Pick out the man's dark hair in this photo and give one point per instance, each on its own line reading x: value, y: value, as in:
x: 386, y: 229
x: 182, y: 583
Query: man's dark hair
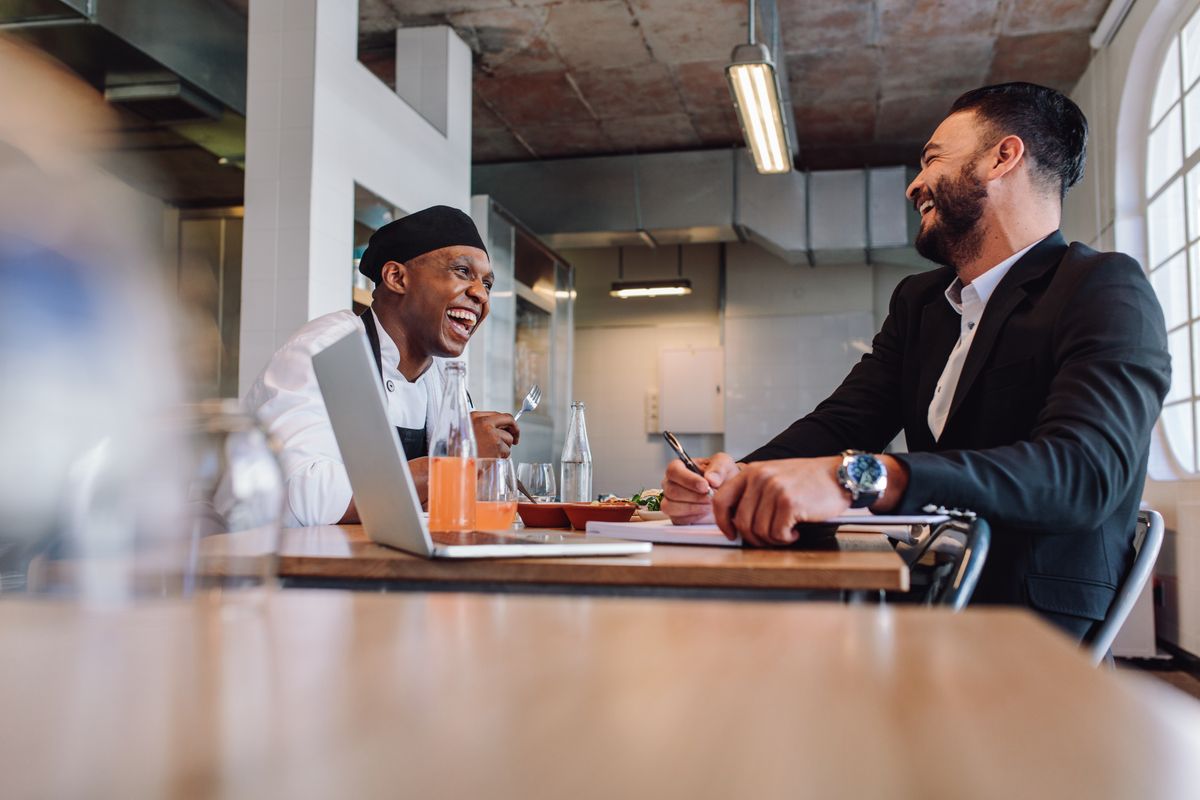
x: 1052, y: 127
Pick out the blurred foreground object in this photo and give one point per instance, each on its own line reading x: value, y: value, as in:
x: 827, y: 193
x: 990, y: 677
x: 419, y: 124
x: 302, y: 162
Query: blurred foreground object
x: 236, y: 486
x: 91, y: 479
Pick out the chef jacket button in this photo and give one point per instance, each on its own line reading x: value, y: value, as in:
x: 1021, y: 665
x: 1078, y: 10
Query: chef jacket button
x: 391, y: 387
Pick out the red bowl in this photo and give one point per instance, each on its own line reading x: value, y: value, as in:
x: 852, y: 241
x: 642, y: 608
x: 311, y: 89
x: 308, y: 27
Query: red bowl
x: 543, y: 515
x: 581, y: 514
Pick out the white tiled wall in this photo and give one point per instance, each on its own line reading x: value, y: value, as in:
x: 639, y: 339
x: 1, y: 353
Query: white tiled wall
x: 759, y: 284
x: 790, y: 334
x: 616, y: 355
x: 614, y: 370
x: 778, y: 368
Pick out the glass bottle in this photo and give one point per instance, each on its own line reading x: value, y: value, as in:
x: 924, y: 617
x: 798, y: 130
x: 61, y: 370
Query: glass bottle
x: 452, y: 457
x: 576, y: 484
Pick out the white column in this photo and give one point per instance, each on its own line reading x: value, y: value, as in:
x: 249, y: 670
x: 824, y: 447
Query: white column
x: 318, y: 122
x: 422, y: 59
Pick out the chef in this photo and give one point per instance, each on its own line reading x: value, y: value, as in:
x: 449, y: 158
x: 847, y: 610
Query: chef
x: 432, y: 282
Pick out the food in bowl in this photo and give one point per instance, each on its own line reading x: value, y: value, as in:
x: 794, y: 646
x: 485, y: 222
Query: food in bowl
x: 611, y: 499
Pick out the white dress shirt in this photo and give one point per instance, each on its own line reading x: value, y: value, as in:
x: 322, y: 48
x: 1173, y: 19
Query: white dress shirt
x: 288, y: 402
x: 968, y: 302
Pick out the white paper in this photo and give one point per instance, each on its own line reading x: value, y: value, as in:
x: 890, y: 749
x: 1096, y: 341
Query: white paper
x: 664, y: 532
x: 878, y: 520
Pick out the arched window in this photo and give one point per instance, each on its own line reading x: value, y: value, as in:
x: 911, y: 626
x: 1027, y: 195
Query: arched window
x: 1172, y: 194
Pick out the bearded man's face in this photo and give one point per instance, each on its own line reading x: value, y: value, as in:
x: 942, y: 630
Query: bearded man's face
x: 951, y: 230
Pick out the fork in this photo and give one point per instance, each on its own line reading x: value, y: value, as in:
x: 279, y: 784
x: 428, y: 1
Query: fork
x: 530, y: 402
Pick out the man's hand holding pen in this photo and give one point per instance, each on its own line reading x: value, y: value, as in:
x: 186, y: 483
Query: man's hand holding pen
x: 688, y: 497
x: 762, y: 502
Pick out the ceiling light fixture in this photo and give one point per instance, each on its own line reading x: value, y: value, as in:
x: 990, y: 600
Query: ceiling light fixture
x: 756, y: 97
x: 670, y: 287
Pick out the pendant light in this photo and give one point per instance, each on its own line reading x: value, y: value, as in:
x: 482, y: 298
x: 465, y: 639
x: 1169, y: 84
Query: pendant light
x: 669, y: 287
x: 757, y: 99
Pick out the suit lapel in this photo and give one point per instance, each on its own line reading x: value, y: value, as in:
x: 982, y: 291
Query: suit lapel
x: 1004, y: 300
x: 939, y: 332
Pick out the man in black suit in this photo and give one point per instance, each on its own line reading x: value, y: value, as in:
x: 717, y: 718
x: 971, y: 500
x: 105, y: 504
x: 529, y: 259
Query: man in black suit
x: 1026, y: 373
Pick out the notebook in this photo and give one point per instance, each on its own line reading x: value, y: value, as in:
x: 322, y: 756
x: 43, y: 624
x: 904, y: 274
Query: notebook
x: 900, y: 528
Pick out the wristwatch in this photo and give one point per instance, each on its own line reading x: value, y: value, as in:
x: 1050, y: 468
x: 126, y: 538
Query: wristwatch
x: 862, y: 475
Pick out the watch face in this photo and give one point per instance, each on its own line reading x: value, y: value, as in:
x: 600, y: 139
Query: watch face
x: 865, y: 471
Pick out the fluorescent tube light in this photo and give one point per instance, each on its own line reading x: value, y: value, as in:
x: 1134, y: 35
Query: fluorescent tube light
x: 755, y: 89
x: 673, y: 287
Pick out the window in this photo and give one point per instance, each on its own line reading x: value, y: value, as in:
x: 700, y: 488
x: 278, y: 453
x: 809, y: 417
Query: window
x: 1173, y: 232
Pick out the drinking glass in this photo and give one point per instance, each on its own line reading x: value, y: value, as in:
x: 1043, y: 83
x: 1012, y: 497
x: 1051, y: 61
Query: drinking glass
x: 235, y: 499
x: 495, y: 494
x: 539, y: 480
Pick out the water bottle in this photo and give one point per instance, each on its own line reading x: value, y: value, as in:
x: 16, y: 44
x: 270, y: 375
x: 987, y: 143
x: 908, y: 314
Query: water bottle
x: 576, y: 484
x: 452, y: 457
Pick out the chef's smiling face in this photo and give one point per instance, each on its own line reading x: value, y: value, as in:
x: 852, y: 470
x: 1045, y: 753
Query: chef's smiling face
x: 446, y: 298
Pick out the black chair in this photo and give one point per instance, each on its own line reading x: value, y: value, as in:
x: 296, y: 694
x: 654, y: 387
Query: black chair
x: 951, y: 581
x: 1147, y: 542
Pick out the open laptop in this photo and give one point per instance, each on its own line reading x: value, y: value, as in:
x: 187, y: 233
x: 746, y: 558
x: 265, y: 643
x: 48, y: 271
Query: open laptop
x: 384, y: 492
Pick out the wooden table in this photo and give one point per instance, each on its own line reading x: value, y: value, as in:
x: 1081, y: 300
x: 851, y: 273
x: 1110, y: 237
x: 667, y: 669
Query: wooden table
x: 351, y: 694
x: 343, y: 556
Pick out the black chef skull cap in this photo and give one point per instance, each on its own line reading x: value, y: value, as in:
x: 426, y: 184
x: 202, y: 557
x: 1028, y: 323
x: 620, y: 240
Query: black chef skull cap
x: 417, y: 234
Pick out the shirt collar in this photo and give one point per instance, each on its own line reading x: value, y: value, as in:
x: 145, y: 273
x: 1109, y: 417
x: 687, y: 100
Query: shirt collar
x: 389, y: 354
x: 986, y: 283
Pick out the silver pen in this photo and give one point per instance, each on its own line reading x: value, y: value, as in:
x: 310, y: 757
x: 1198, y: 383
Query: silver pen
x: 684, y: 457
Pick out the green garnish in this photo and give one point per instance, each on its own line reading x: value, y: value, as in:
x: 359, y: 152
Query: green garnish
x: 650, y: 498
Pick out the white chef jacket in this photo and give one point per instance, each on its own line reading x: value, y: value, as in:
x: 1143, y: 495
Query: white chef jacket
x: 968, y: 302
x: 288, y: 403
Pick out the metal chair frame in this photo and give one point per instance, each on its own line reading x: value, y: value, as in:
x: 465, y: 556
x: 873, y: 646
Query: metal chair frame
x: 1147, y: 543
x: 966, y: 565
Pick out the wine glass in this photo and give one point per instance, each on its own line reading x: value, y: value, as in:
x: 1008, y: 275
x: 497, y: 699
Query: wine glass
x: 538, y: 479
x: 236, y: 487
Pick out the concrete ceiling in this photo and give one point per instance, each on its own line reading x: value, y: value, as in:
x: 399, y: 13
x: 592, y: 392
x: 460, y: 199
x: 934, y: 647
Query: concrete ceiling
x: 870, y: 79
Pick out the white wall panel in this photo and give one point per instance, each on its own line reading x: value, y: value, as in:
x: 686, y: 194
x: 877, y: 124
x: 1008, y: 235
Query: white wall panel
x: 614, y: 370
x: 778, y: 368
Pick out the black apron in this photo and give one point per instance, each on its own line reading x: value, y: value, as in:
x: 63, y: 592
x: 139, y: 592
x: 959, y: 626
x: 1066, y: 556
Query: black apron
x: 414, y: 440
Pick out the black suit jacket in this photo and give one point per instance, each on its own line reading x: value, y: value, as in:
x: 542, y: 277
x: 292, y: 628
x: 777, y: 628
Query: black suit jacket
x: 1050, y: 424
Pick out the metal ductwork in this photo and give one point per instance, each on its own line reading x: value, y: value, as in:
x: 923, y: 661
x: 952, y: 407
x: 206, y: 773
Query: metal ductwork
x: 180, y: 64
x: 842, y: 216
x: 201, y: 42
x: 160, y: 97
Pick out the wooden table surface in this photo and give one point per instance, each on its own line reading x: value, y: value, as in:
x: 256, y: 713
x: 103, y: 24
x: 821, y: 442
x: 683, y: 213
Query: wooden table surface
x: 860, y: 561
x: 349, y: 694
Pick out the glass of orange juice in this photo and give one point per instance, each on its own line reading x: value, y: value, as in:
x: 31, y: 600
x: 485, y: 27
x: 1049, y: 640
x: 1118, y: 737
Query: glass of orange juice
x: 495, y: 494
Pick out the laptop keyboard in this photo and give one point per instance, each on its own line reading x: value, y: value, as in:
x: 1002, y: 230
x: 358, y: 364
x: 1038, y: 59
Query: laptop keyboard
x: 453, y: 538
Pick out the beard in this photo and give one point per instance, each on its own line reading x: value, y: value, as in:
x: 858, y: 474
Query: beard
x: 955, y: 237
